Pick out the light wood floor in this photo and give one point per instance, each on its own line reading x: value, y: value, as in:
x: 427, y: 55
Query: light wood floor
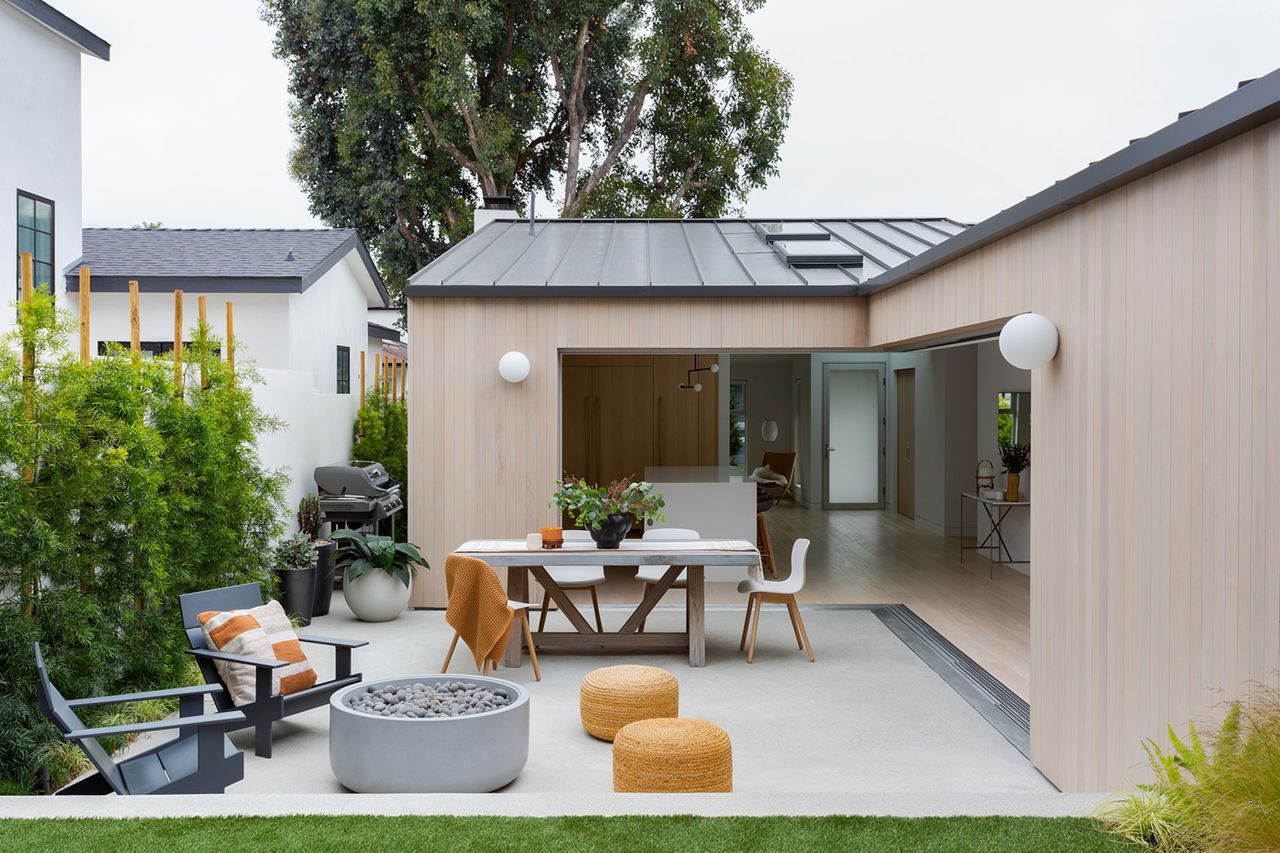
x: 879, y: 557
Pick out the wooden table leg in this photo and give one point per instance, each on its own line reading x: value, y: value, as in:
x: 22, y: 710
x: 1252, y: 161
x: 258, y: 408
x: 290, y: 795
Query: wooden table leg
x: 517, y: 589
x: 696, y: 613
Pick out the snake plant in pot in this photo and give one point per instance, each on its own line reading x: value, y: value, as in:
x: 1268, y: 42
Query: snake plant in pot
x: 377, y: 573
x: 295, y: 571
x: 311, y: 524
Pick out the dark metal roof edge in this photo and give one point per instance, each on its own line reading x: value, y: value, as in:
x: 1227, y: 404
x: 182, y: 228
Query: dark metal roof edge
x: 52, y: 19
x: 592, y: 291
x: 383, y: 333
x: 1250, y: 106
x: 340, y: 252
x: 195, y: 284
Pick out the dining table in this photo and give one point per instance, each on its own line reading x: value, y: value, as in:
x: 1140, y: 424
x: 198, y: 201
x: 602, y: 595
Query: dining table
x: 689, y: 556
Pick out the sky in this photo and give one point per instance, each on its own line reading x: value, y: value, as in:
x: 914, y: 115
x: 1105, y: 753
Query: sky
x: 922, y: 108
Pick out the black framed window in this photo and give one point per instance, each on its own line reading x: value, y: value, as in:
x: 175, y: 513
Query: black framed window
x: 344, y: 370
x: 150, y: 349
x: 35, y: 235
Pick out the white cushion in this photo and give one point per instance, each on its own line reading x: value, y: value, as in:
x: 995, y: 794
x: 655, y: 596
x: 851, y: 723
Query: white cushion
x: 573, y: 576
x: 765, y: 474
x: 653, y: 574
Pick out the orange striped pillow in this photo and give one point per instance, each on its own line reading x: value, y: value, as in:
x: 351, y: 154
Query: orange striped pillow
x: 259, y: 632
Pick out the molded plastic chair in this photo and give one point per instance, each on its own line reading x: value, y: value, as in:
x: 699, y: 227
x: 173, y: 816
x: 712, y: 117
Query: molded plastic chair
x: 266, y: 708
x: 651, y: 575
x: 201, y: 760
x: 781, y: 592
x: 575, y: 577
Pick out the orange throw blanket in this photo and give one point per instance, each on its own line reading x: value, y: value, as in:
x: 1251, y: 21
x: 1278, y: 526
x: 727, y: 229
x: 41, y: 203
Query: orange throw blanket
x: 478, y: 608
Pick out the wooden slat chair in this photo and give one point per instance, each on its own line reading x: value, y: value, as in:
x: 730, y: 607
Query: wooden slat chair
x: 266, y: 707
x: 201, y: 760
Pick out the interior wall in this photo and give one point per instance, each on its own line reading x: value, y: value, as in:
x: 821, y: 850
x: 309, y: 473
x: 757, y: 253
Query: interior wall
x: 768, y: 398
x: 996, y: 375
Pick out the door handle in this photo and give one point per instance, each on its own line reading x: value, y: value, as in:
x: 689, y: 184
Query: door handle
x: 827, y: 450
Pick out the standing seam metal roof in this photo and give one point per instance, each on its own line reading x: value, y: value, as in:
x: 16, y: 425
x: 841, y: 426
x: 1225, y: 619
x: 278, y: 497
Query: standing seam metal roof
x: 669, y: 257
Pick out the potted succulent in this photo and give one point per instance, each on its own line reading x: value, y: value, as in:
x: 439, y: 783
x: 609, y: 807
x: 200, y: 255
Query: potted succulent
x: 310, y: 523
x: 377, y: 573
x: 295, y: 571
x: 1015, y: 458
x: 608, y: 513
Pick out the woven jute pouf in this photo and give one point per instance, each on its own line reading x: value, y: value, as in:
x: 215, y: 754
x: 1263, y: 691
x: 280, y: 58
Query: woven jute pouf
x: 613, y: 696
x: 679, y: 755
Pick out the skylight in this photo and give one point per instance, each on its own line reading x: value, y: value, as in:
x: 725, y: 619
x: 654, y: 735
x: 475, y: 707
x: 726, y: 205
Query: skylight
x: 799, y: 253
x: 775, y: 231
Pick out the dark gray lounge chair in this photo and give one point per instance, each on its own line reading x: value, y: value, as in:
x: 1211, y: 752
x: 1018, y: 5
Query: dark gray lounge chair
x: 201, y: 760
x: 266, y: 707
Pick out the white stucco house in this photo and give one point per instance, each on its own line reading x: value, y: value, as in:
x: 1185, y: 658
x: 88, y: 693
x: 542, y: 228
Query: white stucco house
x: 40, y: 51
x: 302, y: 301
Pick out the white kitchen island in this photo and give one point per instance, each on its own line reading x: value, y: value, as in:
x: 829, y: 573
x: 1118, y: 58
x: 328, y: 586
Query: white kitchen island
x: 719, y: 503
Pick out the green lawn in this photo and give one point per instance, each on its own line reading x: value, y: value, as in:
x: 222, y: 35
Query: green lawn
x: 346, y: 834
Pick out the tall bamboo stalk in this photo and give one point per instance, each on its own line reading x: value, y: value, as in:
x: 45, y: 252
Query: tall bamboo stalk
x: 84, y: 315
x: 135, y: 323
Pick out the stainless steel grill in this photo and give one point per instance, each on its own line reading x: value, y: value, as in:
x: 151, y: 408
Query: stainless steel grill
x: 359, y: 492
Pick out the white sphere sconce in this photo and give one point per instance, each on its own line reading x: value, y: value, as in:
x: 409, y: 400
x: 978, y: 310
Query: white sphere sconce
x: 514, y: 366
x: 769, y: 430
x: 1029, y: 341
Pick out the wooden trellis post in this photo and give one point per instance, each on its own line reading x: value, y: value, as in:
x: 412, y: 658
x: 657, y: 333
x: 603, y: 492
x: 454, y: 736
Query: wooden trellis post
x: 395, y: 366
x: 135, y: 323
x: 377, y: 374
x: 177, y: 340
x: 200, y: 313
x: 404, y: 370
x: 84, y: 315
x: 231, y: 339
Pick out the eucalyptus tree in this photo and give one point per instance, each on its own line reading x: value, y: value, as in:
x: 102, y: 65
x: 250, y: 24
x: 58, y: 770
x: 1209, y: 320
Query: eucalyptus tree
x: 406, y: 110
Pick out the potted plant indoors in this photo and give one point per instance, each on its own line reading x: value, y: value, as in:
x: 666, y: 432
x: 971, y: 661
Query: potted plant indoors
x: 310, y: 523
x: 1015, y: 458
x: 608, y: 513
x: 295, y: 571
x: 377, y: 573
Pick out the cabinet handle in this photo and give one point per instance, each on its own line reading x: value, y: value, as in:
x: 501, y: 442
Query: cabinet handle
x: 586, y: 437
x: 657, y: 432
x: 599, y: 441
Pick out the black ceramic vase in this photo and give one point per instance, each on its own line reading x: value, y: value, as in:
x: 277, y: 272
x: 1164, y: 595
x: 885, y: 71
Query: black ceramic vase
x: 297, y: 592
x: 612, y: 531
x: 324, y: 578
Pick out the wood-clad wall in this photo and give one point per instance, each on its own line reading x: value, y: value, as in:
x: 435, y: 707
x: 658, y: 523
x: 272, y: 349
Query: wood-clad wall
x: 1155, y: 584
x: 484, y: 454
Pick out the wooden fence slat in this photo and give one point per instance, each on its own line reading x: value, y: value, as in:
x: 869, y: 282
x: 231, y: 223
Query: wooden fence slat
x: 135, y: 322
x: 84, y: 315
x: 231, y: 338
x: 177, y: 340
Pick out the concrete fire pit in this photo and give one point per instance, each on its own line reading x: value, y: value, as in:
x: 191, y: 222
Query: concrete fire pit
x: 464, y: 748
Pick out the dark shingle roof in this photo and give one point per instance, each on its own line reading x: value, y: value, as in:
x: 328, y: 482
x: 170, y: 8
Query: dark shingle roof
x: 227, y: 260
x: 677, y: 257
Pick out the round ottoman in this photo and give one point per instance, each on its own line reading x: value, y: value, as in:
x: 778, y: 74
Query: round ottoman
x: 613, y: 696
x: 672, y: 755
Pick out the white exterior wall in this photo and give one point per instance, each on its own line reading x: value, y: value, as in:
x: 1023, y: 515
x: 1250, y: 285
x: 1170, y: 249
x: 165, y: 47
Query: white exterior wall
x: 332, y: 312
x: 39, y: 142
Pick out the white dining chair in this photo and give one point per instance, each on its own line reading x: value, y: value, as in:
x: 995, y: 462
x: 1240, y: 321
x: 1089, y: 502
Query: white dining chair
x: 760, y: 591
x: 575, y: 577
x: 651, y: 575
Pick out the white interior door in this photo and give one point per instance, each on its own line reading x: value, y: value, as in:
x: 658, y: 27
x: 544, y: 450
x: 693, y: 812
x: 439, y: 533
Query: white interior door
x: 853, y: 445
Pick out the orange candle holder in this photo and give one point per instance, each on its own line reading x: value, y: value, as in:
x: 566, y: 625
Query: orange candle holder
x: 552, y: 537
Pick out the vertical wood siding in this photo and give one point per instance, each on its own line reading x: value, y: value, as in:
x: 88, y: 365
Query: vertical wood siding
x: 1155, y: 585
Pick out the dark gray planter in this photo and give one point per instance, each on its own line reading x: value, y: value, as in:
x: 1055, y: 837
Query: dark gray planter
x: 324, y: 578
x: 297, y: 592
x: 612, y: 531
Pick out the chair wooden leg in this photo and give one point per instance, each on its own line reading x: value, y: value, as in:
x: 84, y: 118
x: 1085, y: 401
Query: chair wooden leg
x: 453, y: 645
x: 533, y: 653
x: 795, y: 628
x: 746, y: 623
x: 647, y: 587
x: 546, y: 603
x: 765, y: 541
x: 795, y: 608
x: 755, y: 625
x: 485, y: 669
x: 595, y: 605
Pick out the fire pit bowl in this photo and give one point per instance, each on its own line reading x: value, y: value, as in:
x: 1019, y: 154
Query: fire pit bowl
x: 476, y: 752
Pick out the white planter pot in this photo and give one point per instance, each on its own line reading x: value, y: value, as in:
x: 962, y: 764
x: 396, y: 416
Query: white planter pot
x: 376, y: 596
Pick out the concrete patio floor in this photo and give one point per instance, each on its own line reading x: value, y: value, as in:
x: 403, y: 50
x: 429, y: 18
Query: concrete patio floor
x: 867, y: 716
x: 867, y: 729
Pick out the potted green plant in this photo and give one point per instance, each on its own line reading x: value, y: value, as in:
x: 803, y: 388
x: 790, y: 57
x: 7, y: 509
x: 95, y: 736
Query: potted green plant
x: 377, y: 573
x: 608, y: 513
x: 310, y: 524
x: 1015, y: 458
x: 295, y: 571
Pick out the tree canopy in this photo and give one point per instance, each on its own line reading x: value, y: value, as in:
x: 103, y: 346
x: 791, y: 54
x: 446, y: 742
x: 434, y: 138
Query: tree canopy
x: 405, y: 111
